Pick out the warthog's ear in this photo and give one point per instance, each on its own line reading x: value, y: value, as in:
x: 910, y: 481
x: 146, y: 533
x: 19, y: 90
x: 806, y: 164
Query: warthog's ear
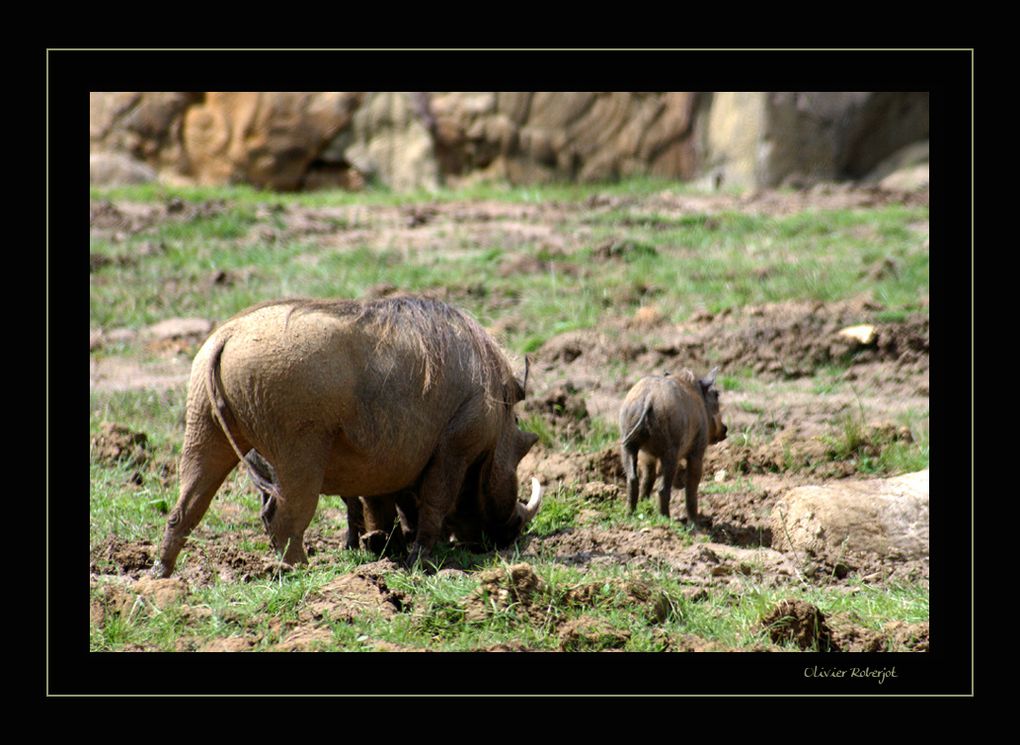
x: 524, y: 441
x: 709, y: 379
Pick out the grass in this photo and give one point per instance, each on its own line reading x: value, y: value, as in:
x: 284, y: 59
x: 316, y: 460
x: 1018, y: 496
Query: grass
x: 689, y: 262
x: 641, y: 611
x: 224, y: 260
x: 881, y: 450
x: 380, y: 196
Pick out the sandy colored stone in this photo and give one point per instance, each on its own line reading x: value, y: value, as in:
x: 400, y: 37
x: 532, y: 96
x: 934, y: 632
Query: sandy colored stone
x: 887, y: 517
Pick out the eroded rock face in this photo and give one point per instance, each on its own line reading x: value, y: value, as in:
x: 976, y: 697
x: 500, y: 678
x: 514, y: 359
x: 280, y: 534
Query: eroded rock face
x: 885, y: 517
x: 266, y: 139
x: 756, y: 139
x: 405, y: 141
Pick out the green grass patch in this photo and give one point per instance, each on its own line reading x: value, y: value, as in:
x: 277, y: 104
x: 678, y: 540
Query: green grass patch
x: 881, y: 450
x: 687, y: 262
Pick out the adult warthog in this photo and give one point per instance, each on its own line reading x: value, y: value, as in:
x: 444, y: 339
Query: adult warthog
x: 356, y: 398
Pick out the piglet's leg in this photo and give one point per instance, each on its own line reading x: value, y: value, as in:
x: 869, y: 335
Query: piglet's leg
x: 694, y: 467
x: 666, y: 488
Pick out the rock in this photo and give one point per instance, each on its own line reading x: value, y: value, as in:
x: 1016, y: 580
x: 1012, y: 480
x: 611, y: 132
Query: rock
x: 116, y: 169
x: 144, y: 126
x: 390, y: 142
x: 295, y: 140
x: 863, y: 334
x: 885, y: 517
x: 269, y: 140
x: 647, y: 315
x: 905, y: 159
x: 179, y: 328
x: 913, y: 178
x: 759, y: 139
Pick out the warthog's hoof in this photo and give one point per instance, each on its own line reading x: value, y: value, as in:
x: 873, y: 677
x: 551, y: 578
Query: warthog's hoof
x: 375, y: 541
x: 417, y: 556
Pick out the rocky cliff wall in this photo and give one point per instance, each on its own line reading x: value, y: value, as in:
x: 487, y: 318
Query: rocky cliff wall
x: 290, y: 141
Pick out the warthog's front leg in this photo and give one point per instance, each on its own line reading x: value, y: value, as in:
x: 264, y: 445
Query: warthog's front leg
x: 437, y: 495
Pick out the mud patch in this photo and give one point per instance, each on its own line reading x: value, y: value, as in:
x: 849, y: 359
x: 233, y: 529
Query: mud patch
x: 118, y: 222
x: 126, y: 557
x: 634, y: 595
x: 586, y: 634
x: 129, y: 599
x: 832, y: 456
x: 353, y: 596
x: 690, y: 643
x: 229, y: 644
x: 116, y: 443
x: 563, y: 409
x: 707, y: 565
x: 221, y: 558
x: 775, y: 341
x: 894, y: 636
x: 515, y: 586
x: 305, y: 639
x: 798, y: 622
x: 554, y: 467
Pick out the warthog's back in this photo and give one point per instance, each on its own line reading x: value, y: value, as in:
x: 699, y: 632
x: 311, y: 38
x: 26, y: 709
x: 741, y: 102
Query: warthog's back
x: 381, y: 384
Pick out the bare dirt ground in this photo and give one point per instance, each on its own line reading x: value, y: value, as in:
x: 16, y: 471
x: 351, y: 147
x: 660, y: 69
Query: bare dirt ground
x: 778, y: 419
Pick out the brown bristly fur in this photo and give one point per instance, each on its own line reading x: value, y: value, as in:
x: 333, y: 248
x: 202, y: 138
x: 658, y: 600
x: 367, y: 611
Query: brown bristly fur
x: 425, y: 321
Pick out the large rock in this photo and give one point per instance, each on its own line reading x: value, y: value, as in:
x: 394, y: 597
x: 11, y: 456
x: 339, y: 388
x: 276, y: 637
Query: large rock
x: 389, y: 142
x: 761, y: 139
x: 886, y: 517
x: 269, y: 140
x: 563, y: 136
x: 415, y: 140
x: 144, y: 126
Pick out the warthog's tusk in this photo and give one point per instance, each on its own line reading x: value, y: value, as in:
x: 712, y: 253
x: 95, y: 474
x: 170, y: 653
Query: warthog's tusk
x: 528, y: 511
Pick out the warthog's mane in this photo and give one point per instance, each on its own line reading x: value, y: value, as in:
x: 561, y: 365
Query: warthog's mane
x: 424, y: 322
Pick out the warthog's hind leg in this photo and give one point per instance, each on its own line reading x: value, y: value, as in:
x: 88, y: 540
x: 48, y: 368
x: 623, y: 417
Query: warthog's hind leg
x: 648, y: 466
x: 300, y: 473
x: 630, y: 468
x: 206, y: 459
x: 666, y: 487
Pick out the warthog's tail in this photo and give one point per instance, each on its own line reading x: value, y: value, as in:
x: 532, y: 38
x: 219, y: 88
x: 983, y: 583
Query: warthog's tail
x: 221, y: 412
x: 632, y: 440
